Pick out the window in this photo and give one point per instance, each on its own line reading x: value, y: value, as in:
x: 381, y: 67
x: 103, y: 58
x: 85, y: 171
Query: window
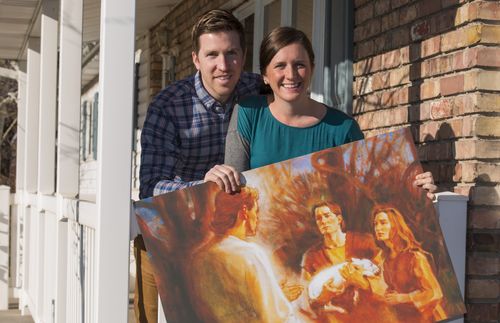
x: 89, y: 130
x: 328, y: 24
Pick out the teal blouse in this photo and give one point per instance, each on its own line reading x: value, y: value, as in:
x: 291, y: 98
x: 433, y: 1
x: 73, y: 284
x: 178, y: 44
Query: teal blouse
x: 255, y: 138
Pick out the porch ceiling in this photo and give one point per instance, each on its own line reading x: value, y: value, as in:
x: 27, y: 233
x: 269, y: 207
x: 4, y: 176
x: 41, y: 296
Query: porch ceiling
x: 20, y: 20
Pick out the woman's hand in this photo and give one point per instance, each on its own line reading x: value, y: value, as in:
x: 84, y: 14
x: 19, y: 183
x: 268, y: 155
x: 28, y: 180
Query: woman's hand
x: 426, y: 181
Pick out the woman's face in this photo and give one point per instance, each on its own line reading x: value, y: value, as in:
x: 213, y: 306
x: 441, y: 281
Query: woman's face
x: 382, y: 226
x: 289, y: 73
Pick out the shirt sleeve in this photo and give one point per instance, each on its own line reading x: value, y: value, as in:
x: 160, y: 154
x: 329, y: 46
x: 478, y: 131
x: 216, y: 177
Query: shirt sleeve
x: 159, y: 154
x: 237, y: 145
x: 354, y: 133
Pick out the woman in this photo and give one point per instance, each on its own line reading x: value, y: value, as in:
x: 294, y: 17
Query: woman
x: 412, y: 287
x: 297, y: 124
x: 287, y: 123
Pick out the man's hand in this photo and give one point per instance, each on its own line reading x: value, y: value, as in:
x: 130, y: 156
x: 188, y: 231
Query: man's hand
x: 225, y: 176
x: 426, y: 181
x: 291, y: 291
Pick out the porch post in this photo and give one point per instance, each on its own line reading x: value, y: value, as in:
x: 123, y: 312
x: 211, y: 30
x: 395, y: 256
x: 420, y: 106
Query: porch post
x: 32, y: 105
x: 68, y: 139
x: 4, y: 246
x: 48, y: 90
x: 114, y: 155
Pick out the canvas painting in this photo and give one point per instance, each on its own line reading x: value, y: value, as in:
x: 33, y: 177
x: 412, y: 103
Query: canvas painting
x: 340, y: 235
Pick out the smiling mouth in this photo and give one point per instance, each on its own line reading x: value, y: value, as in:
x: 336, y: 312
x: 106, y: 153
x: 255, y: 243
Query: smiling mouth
x: 223, y: 77
x: 291, y: 85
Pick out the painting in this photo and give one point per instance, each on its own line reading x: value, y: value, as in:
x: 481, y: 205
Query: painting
x: 340, y: 235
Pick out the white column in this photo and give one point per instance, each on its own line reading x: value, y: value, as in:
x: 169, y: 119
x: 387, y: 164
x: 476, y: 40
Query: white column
x: 287, y: 16
x: 70, y: 74
x: 258, y: 33
x: 68, y: 139
x: 116, y: 70
x: 20, y: 168
x: 4, y: 246
x: 32, y: 106
x: 48, y: 90
x: 318, y: 43
x: 21, y: 126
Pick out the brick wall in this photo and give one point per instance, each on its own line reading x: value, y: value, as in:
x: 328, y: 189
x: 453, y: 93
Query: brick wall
x: 434, y: 65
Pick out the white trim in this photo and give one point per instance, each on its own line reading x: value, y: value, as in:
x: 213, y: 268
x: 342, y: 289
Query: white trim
x: 32, y: 110
x: 258, y: 32
x: 116, y: 57
x: 70, y: 60
x: 247, y: 9
x: 21, y: 129
x: 318, y: 43
x: 48, y: 92
x: 4, y: 245
x: 287, y: 12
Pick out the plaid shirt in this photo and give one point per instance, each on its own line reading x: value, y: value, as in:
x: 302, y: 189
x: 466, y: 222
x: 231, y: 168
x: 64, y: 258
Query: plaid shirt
x: 184, y: 134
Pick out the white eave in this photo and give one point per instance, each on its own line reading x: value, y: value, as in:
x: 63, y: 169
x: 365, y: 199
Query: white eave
x: 20, y: 21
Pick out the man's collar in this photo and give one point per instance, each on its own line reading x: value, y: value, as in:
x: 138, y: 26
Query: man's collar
x: 208, y: 100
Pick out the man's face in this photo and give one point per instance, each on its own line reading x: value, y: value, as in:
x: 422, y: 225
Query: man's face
x: 220, y: 61
x: 326, y: 220
x: 252, y: 220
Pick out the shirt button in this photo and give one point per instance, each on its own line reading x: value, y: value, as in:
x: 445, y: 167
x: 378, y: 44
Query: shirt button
x: 219, y: 109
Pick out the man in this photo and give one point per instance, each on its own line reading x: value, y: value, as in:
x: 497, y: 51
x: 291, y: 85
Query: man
x: 336, y: 247
x: 184, y: 133
x: 232, y: 279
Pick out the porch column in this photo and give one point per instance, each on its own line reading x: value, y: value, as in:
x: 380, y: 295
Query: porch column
x: 4, y: 246
x: 116, y: 70
x: 68, y: 139
x: 32, y: 105
x: 48, y: 90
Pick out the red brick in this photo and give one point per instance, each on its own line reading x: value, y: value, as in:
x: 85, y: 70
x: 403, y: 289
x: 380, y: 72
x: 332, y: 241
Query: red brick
x: 367, y: 66
x: 477, y: 149
x: 382, y: 6
x: 390, y: 21
x: 487, y: 288
x: 391, y: 59
x: 441, y: 109
x: 485, y: 242
x: 488, y: 56
x: 430, y: 47
x: 485, y: 265
x: 363, y: 14
x: 381, y: 80
x: 480, y: 172
x: 408, y: 14
x: 482, y: 80
x: 404, y: 54
x: 400, y: 37
x: 486, y: 195
x: 382, y: 43
x: 400, y: 76
x: 488, y: 10
x: 443, y: 22
x: 419, y: 112
x: 398, y: 3
x: 364, y: 49
x: 452, y: 85
x: 427, y: 7
x: 430, y: 89
x: 484, y: 217
x: 466, y: 36
x: 482, y: 312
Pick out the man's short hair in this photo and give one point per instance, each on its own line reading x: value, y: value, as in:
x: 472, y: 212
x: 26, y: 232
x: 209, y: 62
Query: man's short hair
x: 215, y: 21
x: 228, y: 205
